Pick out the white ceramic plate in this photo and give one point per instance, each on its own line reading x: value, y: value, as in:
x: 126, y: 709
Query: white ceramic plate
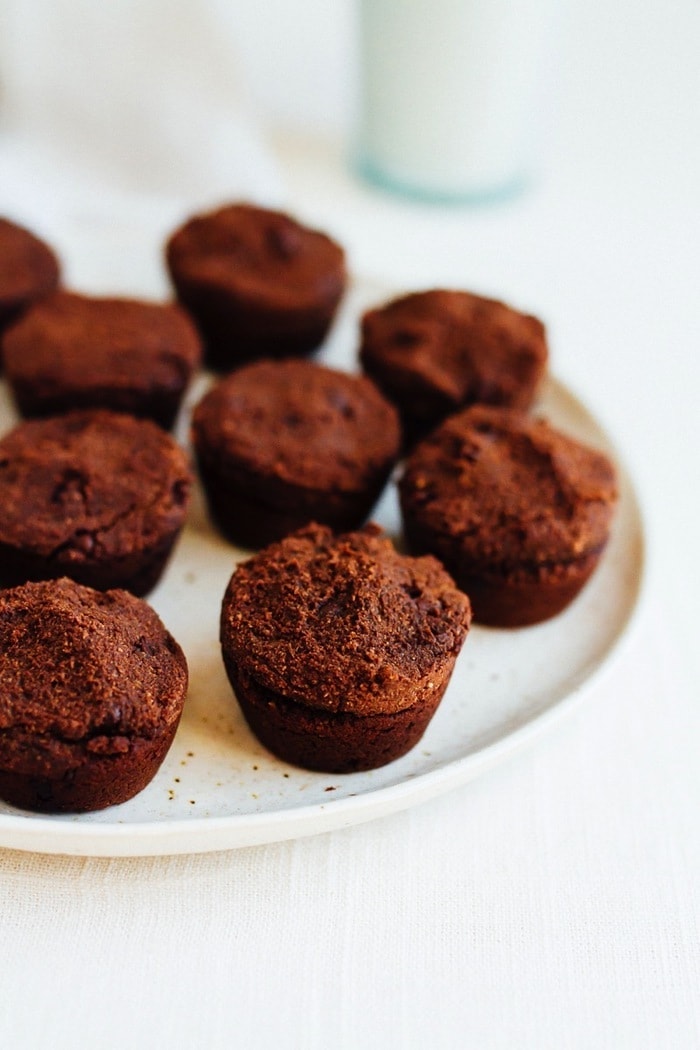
x: 219, y: 789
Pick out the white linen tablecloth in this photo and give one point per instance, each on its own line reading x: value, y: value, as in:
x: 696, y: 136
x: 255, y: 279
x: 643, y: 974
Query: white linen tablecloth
x: 553, y: 902
x: 550, y: 904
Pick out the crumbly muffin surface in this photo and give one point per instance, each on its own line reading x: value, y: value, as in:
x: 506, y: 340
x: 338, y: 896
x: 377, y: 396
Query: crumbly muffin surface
x: 90, y: 481
x: 82, y: 673
x: 300, y: 423
x: 509, y: 490
x: 342, y: 623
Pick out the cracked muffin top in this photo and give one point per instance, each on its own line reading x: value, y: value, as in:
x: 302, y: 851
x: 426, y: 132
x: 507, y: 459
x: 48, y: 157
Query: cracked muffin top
x: 342, y: 623
x: 434, y: 352
x: 299, y: 423
x: 507, y: 490
x: 84, y: 675
x: 90, y: 484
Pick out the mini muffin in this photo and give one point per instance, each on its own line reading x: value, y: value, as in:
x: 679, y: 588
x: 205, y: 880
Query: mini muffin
x: 258, y: 283
x: 282, y: 443
x: 29, y: 270
x: 338, y: 648
x: 434, y: 352
x: 93, y: 495
x: 518, y: 512
x: 91, y: 691
x: 75, y: 351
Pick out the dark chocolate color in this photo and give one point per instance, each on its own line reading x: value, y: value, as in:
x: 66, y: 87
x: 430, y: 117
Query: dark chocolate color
x: 339, y: 648
x: 75, y: 351
x: 91, y: 691
x: 434, y: 352
x: 518, y: 512
x: 97, y: 496
x: 282, y: 443
x: 29, y: 270
x: 257, y: 282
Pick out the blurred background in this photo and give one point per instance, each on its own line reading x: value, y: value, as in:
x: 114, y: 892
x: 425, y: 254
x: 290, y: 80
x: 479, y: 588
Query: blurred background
x: 129, y: 80
x: 554, y: 903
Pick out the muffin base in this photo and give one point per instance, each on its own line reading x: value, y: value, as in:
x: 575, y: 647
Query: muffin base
x: 329, y: 741
x: 521, y: 601
x: 420, y: 409
x: 95, y: 784
x: 161, y: 406
x: 517, y: 598
x: 251, y: 522
x: 233, y: 334
x: 138, y: 572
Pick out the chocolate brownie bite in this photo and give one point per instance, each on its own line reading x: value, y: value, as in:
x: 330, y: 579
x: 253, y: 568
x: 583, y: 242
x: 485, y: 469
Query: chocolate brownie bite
x: 282, y: 443
x: 257, y: 282
x: 91, y: 692
x: 76, y: 351
x: 338, y: 648
x: 518, y: 512
x: 96, y: 496
x: 434, y: 352
x: 29, y: 270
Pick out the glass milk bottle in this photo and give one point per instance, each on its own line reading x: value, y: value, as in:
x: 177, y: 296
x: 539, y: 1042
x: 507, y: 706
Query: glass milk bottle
x: 452, y: 94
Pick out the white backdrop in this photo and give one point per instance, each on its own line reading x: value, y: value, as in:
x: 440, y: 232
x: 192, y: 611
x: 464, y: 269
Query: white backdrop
x: 553, y: 903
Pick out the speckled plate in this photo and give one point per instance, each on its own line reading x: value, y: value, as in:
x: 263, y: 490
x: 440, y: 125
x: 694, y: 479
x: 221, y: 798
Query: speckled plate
x: 219, y: 789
